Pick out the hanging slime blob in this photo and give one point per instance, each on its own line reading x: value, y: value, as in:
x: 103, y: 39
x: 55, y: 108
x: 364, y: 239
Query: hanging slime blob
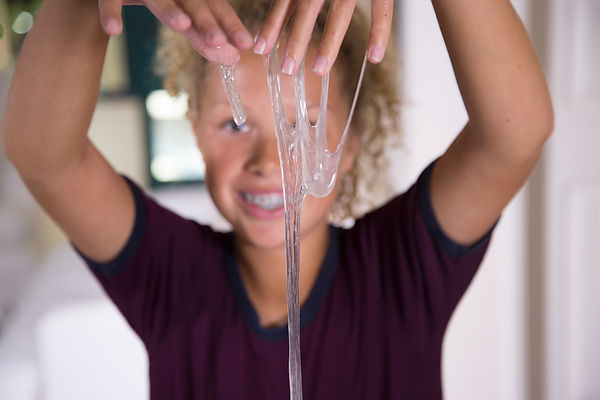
x: 307, y: 167
x: 233, y: 96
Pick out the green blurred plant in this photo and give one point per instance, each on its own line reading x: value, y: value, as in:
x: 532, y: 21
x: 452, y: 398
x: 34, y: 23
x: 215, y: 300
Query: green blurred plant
x: 16, y: 7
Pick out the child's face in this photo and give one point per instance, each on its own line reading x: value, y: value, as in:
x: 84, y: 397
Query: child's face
x: 242, y: 164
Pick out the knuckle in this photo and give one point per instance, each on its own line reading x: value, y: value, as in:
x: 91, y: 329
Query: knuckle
x: 105, y: 8
x: 170, y: 9
x: 383, y: 12
x: 292, y: 50
x: 310, y: 6
x: 161, y: 7
x: 379, y: 32
x: 198, y: 17
x: 188, y: 5
x: 330, y: 47
x: 218, y: 7
x: 270, y: 31
x: 385, y: 5
x: 234, y: 27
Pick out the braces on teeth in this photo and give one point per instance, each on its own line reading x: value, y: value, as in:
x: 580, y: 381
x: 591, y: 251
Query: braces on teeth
x: 270, y: 201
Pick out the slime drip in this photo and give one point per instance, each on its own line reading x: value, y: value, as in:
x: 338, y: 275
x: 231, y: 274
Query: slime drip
x: 233, y: 97
x: 307, y: 167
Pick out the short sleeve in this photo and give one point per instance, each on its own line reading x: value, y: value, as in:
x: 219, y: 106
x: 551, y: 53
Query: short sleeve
x: 421, y: 271
x: 440, y: 238
x: 157, y: 279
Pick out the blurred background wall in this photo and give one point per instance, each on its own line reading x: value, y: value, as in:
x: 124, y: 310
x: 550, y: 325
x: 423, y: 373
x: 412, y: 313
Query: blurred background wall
x: 527, y: 327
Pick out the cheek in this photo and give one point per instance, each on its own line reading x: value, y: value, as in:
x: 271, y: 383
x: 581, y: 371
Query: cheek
x: 209, y: 177
x: 223, y: 161
x: 218, y: 186
x: 216, y: 169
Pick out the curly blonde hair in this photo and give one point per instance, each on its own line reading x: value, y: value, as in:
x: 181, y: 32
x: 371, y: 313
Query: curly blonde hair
x: 377, y: 115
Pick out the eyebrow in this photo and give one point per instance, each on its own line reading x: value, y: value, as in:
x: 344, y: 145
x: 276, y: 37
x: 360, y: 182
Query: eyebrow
x: 222, y: 103
x: 218, y: 103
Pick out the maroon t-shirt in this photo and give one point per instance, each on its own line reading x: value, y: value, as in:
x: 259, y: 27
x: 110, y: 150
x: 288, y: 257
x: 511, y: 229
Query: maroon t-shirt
x: 371, y: 328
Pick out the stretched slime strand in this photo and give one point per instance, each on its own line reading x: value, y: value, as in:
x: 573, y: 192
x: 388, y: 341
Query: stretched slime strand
x: 233, y: 96
x: 307, y: 166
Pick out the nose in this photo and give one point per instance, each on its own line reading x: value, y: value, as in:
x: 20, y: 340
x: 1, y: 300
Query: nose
x: 264, y: 160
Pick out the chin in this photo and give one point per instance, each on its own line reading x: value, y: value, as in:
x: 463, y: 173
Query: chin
x: 271, y: 236
x: 277, y: 243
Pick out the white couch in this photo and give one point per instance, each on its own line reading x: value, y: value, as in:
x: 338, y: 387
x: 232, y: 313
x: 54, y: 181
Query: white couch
x: 65, y: 340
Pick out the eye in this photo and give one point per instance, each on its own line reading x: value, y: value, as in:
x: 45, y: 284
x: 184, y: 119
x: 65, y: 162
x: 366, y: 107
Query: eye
x: 312, y: 123
x: 233, y: 127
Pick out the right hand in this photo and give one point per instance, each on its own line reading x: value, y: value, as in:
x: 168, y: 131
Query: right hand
x: 211, y: 26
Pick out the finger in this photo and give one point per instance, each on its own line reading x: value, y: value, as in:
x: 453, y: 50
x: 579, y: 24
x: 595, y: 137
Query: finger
x: 170, y: 14
x: 223, y: 55
x: 229, y: 21
x: 110, y: 16
x: 338, y: 20
x: 276, y: 18
x: 381, y: 24
x: 305, y: 16
x: 204, y: 23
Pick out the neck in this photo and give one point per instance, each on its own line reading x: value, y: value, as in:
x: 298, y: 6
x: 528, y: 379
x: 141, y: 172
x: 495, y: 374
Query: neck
x: 264, y: 273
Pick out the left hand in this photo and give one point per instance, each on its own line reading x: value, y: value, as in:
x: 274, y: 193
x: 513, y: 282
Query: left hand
x: 304, y: 14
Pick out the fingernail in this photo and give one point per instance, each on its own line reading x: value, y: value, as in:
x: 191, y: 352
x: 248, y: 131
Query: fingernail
x: 320, y: 65
x: 112, y: 27
x: 376, y: 53
x: 287, y: 66
x: 259, y: 45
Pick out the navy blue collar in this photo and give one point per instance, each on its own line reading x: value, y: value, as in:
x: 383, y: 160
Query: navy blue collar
x: 310, y: 307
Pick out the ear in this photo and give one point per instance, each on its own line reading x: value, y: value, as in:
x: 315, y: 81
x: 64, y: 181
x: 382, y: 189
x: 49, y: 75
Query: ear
x: 351, y: 150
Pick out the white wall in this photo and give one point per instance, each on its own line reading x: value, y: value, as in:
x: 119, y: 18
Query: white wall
x: 485, y: 353
x: 528, y: 326
x: 569, y: 199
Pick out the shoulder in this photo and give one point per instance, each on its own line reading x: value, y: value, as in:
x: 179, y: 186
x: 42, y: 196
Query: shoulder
x: 160, y: 234
x: 149, y: 210
x: 409, y: 218
x: 401, y: 257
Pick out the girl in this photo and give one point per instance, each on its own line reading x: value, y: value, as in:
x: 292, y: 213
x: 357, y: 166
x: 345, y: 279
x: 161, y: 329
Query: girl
x: 210, y: 307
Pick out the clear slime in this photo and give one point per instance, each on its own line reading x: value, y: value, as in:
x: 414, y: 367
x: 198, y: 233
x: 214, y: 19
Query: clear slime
x: 307, y: 167
x: 233, y: 96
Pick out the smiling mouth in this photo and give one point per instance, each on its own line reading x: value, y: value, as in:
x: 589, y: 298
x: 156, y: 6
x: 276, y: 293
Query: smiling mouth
x: 266, y: 201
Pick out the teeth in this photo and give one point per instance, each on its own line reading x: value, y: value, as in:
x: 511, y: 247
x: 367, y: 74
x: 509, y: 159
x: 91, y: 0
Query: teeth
x: 270, y: 201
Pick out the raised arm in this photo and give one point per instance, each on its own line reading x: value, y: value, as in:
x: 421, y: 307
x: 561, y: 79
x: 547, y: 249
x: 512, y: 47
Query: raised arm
x: 49, y: 108
x: 510, y: 115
